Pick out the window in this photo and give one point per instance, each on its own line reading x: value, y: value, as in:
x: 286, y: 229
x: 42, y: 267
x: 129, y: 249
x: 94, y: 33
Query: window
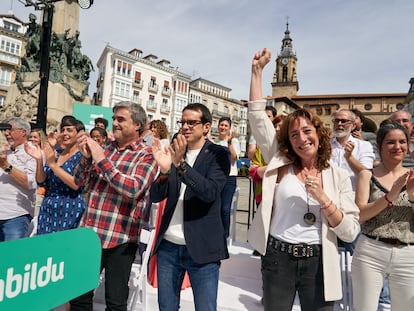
x: 11, y: 47
x: 122, y: 88
x: 368, y: 106
x: 215, y: 107
x: 11, y: 26
x: 243, y: 113
x: 153, y: 82
x: 2, y: 100
x: 180, y: 104
x: 226, y: 110
x: 164, y: 105
x: 123, y: 68
x: 5, y: 77
x: 328, y: 111
x: 214, y: 125
x: 135, y: 97
x: 137, y: 77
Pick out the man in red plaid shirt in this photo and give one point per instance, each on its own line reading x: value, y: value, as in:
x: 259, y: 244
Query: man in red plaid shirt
x: 118, y: 178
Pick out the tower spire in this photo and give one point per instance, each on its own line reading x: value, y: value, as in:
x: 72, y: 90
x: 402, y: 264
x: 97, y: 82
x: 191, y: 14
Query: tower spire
x: 285, y: 83
x: 287, y: 47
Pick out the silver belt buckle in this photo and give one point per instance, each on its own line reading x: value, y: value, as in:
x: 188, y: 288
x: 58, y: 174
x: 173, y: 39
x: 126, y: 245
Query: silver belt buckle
x: 295, y: 251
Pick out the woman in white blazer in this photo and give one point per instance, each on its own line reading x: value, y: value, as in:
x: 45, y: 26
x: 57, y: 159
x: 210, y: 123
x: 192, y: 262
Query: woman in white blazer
x: 306, y: 205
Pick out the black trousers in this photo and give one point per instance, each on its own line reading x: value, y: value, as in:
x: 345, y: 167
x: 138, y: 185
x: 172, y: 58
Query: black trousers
x: 284, y: 275
x: 117, y: 263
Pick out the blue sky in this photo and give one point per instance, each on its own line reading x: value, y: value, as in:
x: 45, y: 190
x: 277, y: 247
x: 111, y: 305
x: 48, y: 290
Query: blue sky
x: 355, y: 46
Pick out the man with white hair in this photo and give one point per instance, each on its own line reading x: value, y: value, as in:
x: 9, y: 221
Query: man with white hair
x: 17, y: 179
x: 348, y: 152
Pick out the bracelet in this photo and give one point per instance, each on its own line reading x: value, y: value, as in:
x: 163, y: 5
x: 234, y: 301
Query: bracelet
x: 326, y: 204
x: 165, y: 174
x: 336, y: 208
x: 389, y: 202
x: 229, y: 142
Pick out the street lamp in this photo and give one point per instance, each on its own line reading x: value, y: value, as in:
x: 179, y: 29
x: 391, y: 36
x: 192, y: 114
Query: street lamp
x: 47, y: 6
x: 85, y: 4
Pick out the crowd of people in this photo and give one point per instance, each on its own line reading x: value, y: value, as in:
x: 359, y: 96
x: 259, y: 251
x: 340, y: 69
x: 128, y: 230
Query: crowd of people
x: 317, y: 189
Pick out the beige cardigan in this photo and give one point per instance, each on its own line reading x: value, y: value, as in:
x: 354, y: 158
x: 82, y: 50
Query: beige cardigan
x: 337, y: 186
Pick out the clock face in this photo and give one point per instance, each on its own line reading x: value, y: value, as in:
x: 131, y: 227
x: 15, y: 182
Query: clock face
x: 285, y: 61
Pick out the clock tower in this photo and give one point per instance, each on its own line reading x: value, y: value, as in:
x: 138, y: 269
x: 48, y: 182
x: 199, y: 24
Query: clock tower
x: 285, y: 83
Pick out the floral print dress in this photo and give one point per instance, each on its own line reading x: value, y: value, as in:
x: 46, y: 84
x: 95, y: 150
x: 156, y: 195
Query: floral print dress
x: 62, y: 207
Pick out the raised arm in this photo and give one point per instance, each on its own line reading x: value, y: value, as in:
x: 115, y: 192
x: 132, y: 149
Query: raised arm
x: 261, y: 126
x: 260, y: 60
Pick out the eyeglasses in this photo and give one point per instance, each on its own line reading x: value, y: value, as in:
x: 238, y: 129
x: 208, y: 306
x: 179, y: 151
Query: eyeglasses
x: 343, y: 121
x: 190, y: 123
x: 402, y: 120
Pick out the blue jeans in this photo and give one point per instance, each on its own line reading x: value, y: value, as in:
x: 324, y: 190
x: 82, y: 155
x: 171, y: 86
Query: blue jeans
x: 226, y: 199
x: 172, y: 262
x: 14, y: 228
x: 385, y: 293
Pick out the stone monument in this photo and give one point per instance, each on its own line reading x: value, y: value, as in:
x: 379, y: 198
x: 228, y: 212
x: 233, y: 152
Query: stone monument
x: 68, y: 74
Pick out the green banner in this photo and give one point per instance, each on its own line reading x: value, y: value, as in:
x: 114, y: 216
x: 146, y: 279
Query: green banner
x: 88, y: 113
x: 43, y: 272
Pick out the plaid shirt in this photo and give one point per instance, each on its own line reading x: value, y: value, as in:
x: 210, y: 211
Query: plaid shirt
x: 117, y: 192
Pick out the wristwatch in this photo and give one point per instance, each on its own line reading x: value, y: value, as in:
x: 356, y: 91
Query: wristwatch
x: 182, y: 167
x: 8, y: 169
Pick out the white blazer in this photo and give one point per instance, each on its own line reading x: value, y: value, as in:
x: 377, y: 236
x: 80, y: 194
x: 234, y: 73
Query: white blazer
x: 336, y: 184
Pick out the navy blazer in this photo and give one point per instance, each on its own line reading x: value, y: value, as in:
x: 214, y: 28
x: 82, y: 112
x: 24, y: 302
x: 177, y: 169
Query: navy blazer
x: 203, y: 228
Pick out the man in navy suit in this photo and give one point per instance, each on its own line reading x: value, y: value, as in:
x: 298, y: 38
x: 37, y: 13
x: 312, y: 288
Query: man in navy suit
x: 193, y: 172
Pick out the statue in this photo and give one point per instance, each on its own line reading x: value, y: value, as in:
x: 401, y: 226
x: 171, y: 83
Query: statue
x: 31, y: 61
x: 65, y: 59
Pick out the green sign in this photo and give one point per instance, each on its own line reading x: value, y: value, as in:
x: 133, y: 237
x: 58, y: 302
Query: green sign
x: 43, y: 272
x: 88, y: 113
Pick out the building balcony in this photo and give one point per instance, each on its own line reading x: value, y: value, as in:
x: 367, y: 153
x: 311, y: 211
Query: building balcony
x: 151, y: 105
x: 218, y: 113
x: 236, y: 118
x: 153, y: 88
x: 138, y: 84
x: 165, y: 109
x: 166, y: 92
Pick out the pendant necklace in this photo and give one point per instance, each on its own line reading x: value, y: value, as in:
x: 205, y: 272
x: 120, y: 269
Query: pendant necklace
x: 309, y: 218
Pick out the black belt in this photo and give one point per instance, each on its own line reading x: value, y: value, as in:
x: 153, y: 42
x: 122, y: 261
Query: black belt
x: 391, y: 241
x: 296, y: 250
